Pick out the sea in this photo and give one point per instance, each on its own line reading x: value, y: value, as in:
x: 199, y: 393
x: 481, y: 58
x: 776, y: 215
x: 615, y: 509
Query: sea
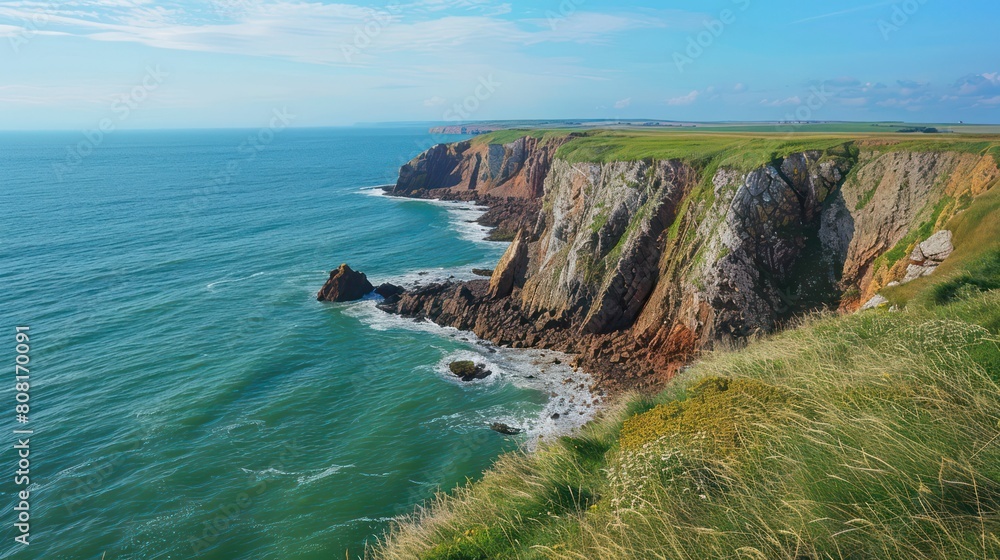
x: 187, y: 396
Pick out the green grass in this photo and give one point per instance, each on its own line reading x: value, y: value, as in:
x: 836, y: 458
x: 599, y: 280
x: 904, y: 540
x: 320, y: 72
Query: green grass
x: 739, y: 150
x: 508, y: 136
x: 873, y: 435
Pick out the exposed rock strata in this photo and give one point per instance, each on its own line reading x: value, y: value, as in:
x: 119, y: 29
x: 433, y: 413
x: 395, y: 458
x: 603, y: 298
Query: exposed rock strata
x: 637, y: 266
x: 510, y: 271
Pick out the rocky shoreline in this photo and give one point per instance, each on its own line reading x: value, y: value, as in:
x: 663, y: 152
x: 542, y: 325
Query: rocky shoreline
x: 490, y: 308
x: 636, y: 267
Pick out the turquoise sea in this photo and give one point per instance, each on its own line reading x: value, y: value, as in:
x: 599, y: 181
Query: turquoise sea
x: 189, y: 397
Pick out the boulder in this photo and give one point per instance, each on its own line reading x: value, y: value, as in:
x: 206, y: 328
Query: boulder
x: 874, y: 303
x: 504, y: 429
x: 511, y: 269
x: 467, y: 370
x: 345, y: 284
x: 389, y: 291
x: 938, y: 247
x: 482, y: 272
x: 927, y: 256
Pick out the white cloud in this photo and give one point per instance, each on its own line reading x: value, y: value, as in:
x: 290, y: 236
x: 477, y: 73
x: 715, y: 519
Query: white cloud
x: 623, y: 103
x: 684, y: 99
x: 740, y: 87
x: 318, y: 33
x: 435, y: 101
x: 793, y: 100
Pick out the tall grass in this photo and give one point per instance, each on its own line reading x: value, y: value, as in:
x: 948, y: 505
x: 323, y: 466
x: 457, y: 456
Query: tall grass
x: 887, y: 447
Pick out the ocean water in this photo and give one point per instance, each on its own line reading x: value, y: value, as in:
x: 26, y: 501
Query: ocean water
x: 189, y: 397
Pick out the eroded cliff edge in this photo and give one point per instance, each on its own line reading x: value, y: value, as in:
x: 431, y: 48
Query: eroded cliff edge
x: 637, y: 264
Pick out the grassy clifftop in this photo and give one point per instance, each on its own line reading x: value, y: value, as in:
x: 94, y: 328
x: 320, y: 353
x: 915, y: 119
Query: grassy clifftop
x: 738, y: 150
x: 868, y: 436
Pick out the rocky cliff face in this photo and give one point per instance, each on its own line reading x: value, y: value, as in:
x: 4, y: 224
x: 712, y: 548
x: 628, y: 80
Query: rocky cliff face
x: 470, y: 168
x: 638, y: 265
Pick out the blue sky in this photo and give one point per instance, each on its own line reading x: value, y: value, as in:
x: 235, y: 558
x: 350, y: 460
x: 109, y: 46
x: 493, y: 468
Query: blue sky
x: 69, y: 64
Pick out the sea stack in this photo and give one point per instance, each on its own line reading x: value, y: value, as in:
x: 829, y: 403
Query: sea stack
x: 511, y: 269
x: 345, y: 284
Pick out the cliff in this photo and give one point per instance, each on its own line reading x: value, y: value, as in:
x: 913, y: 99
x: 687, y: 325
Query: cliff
x: 643, y: 250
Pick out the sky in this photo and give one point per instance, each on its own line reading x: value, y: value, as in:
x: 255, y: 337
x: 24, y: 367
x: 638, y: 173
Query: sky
x: 79, y: 64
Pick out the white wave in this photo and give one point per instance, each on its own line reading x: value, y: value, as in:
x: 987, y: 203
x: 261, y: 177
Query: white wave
x: 544, y: 371
x: 366, y: 312
x: 568, y: 390
x: 462, y: 216
x: 211, y: 286
x: 379, y: 191
x: 269, y: 472
x: 377, y: 475
x: 331, y: 470
x: 239, y: 424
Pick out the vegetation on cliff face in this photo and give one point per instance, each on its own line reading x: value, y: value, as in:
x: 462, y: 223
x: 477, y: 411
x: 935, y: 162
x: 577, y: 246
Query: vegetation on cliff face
x: 875, y: 435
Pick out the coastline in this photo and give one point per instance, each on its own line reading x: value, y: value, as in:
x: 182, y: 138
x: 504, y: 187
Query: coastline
x: 571, y: 401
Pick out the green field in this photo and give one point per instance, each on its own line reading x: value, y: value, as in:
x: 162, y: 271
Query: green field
x: 740, y: 150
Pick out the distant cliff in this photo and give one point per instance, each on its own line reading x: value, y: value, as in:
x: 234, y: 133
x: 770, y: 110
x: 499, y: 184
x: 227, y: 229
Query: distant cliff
x: 637, y: 263
x: 465, y: 129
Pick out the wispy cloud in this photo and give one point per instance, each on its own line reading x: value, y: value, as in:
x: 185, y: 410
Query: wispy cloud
x: 684, y: 99
x: 842, y: 12
x: 315, y: 32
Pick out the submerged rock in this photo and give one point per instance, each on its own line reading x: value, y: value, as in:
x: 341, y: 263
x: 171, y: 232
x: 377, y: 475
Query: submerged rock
x: 345, y: 284
x: 467, y: 370
x: 504, y: 429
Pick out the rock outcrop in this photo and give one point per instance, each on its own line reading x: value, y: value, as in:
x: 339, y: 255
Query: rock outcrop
x: 874, y: 303
x: 509, y: 272
x: 504, y: 429
x: 390, y: 292
x: 635, y: 266
x: 514, y: 170
x: 927, y: 256
x: 345, y: 284
x: 469, y: 371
